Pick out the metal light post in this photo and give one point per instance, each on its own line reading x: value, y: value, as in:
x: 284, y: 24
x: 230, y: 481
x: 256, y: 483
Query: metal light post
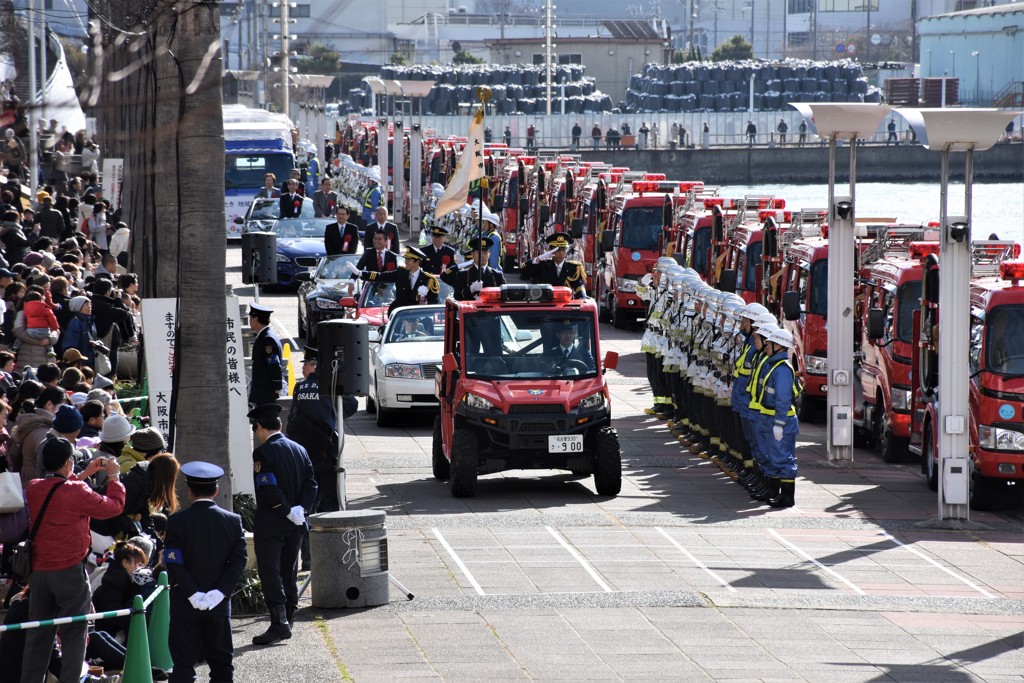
x: 841, y: 122
x: 394, y: 91
x: 33, y: 152
x: 415, y: 91
x: 945, y: 131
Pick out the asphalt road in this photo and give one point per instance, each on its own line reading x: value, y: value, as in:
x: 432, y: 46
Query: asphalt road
x: 680, y: 577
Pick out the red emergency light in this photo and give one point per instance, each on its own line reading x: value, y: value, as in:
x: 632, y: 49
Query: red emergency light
x: 919, y: 250
x: 771, y: 204
x: 529, y: 161
x: 619, y: 169
x: 611, y: 177
x: 779, y: 216
x: 654, y: 176
x: 645, y: 186
x: 1012, y: 270
x: 723, y: 202
x: 934, y: 224
x: 550, y: 165
x: 691, y: 185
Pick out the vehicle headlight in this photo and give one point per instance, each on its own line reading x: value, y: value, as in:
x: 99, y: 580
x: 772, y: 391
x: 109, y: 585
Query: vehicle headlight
x: 595, y: 400
x: 815, y: 365
x: 281, y: 258
x: 998, y: 439
x: 624, y: 284
x: 478, y: 402
x: 900, y: 399
x: 403, y: 371
x: 326, y: 303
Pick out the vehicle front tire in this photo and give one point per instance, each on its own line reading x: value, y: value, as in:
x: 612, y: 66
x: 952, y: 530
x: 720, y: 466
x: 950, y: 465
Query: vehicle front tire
x: 371, y: 405
x: 303, y: 330
x: 608, y: 463
x: 442, y: 469
x: 619, y: 317
x: 465, y: 464
x: 891, y: 448
x: 930, y: 464
x: 981, y: 493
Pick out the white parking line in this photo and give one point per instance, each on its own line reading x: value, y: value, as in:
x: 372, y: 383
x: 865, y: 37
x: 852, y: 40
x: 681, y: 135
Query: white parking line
x: 693, y: 559
x: 939, y: 566
x: 459, y: 562
x: 579, y: 558
x: 810, y: 559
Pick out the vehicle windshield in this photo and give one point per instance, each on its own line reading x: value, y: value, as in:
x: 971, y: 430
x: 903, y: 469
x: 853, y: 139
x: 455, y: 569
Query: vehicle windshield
x: 270, y: 209
x: 246, y: 171
x: 530, y: 345
x: 291, y: 228
x: 377, y: 294
x: 817, y: 302
x: 699, y: 244
x: 416, y: 324
x: 908, y: 300
x: 641, y: 227
x: 335, y: 268
x: 748, y: 273
x: 1004, y: 340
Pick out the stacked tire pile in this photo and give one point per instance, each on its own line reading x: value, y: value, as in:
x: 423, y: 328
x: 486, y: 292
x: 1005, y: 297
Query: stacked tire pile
x: 517, y: 89
x: 725, y: 86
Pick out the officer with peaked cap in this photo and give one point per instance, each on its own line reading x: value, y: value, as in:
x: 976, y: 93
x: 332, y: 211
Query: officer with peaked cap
x: 267, y: 374
x: 466, y: 278
x: 285, y: 492
x: 205, y: 557
x: 552, y: 268
x: 413, y: 285
x: 312, y: 425
x: 439, y: 255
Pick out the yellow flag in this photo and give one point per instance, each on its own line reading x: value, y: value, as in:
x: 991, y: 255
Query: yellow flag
x: 469, y: 168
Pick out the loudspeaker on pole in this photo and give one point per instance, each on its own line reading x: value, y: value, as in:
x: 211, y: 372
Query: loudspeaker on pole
x: 259, y: 258
x: 344, y: 357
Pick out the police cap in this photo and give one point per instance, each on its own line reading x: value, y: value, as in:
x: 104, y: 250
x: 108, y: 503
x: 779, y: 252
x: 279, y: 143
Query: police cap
x: 558, y: 240
x: 310, y: 354
x: 264, y: 410
x: 199, y: 472
x: 477, y: 243
x: 438, y: 231
x: 413, y: 252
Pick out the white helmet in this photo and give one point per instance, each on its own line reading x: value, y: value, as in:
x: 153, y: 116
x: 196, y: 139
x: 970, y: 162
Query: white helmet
x: 782, y: 338
x: 764, y: 319
x: 664, y: 263
x: 766, y: 330
x: 753, y: 311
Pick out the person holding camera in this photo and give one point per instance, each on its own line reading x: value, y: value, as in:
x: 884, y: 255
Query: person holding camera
x: 60, y: 506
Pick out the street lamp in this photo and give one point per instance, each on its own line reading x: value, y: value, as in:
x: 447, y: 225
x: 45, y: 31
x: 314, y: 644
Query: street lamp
x: 847, y: 122
x: 955, y: 130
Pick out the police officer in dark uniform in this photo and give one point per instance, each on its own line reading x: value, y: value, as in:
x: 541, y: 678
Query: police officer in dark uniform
x: 205, y: 557
x: 552, y: 268
x: 267, y: 375
x: 467, y: 278
x: 413, y: 285
x: 312, y: 425
x: 439, y: 254
x: 285, y: 491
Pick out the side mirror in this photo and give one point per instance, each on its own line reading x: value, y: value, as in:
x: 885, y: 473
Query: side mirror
x: 876, y: 324
x: 303, y: 276
x: 576, y: 228
x: 791, y: 305
x: 239, y: 220
x: 307, y: 261
x: 524, y: 206
x: 347, y: 302
x: 498, y: 203
x: 607, y: 240
x: 545, y: 214
x: 448, y: 363
x: 611, y: 360
x: 727, y: 280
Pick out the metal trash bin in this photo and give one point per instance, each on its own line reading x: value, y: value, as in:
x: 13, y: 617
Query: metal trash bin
x: 349, y: 552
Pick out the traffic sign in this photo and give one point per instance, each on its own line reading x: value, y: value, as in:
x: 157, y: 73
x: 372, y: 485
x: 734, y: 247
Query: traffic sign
x: 840, y: 48
x: 851, y: 48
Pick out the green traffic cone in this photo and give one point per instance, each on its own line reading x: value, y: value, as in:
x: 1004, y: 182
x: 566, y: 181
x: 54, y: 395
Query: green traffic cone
x: 160, y: 626
x: 137, y: 666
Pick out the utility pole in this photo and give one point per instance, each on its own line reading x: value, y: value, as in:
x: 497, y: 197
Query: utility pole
x: 33, y: 152
x: 547, y: 53
x: 285, y: 59
x: 692, y: 19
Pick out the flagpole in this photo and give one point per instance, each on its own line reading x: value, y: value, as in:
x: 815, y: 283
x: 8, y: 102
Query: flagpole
x: 483, y: 94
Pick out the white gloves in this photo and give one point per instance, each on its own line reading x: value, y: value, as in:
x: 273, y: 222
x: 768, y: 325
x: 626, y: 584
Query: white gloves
x: 646, y: 280
x: 777, y: 431
x: 213, y: 598
x: 422, y: 290
x: 351, y: 266
x: 198, y: 600
x: 546, y: 256
x: 476, y: 286
x: 297, y: 515
x: 465, y: 264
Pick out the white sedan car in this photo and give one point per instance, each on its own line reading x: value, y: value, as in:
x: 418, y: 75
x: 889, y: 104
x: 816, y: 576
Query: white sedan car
x: 403, y: 363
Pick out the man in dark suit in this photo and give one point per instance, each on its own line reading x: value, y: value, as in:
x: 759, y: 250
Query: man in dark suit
x: 285, y: 492
x: 393, y: 242
x: 290, y: 204
x: 413, y: 285
x: 467, y: 278
x: 341, y: 237
x: 439, y: 254
x: 552, y: 268
x: 378, y: 258
x: 205, y: 557
x: 267, y: 375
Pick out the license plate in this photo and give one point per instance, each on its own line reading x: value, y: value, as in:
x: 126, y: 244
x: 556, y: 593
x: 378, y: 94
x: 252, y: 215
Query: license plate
x: 565, y: 443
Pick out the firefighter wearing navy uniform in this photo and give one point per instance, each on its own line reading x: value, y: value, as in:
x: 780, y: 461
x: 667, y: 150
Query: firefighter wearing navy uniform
x: 267, y: 375
x: 413, y: 285
x: 439, y: 254
x: 467, y: 278
x: 285, y: 492
x: 552, y: 268
x: 205, y: 557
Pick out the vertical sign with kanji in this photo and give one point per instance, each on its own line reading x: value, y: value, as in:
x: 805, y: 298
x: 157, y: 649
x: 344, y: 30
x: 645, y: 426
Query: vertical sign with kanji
x: 158, y: 323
